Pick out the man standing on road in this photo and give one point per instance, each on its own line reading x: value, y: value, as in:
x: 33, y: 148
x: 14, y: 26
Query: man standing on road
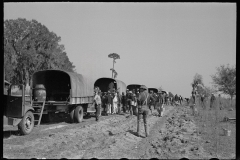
x: 143, y: 108
x: 109, y: 103
x: 212, y: 100
x: 180, y: 100
x: 119, y: 102
x: 152, y: 101
x: 124, y: 103
x: 97, y: 101
x: 176, y: 99
x: 130, y: 103
x: 160, y: 101
x: 202, y: 101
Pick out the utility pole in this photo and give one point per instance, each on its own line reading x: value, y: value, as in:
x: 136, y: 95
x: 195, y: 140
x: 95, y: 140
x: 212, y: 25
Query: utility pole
x: 114, y: 56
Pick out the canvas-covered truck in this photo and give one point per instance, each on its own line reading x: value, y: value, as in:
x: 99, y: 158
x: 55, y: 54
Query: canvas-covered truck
x: 155, y: 90
x: 110, y: 84
x: 132, y: 87
x: 52, y: 92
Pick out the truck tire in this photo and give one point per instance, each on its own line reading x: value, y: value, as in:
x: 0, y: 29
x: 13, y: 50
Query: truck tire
x: 27, y: 123
x: 71, y: 114
x: 78, y: 114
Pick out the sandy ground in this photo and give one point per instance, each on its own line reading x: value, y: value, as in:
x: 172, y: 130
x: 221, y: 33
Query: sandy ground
x: 173, y: 136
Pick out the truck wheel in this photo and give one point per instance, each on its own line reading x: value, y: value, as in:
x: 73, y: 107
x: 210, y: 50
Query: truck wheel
x: 27, y: 123
x: 72, y: 116
x: 78, y: 114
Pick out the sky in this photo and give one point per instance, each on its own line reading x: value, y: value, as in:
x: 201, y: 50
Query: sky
x: 159, y: 44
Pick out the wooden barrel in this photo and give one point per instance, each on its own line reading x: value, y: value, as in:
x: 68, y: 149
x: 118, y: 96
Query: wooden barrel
x: 39, y: 93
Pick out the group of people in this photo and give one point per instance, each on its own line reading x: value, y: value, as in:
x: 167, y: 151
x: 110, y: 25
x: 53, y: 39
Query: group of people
x: 113, y: 102
x: 136, y: 102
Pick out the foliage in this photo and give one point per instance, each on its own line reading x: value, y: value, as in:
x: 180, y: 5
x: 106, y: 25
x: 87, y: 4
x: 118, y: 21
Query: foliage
x: 197, y: 79
x: 225, y: 80
x: 28, y: 47
x: 114, y: 56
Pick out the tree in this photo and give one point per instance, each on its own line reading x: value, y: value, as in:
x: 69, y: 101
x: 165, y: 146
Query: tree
x: 197, y: 83
x: 28, y: 47
x: 114, y: 56
x: 197, y: 79
x: 225, y: 80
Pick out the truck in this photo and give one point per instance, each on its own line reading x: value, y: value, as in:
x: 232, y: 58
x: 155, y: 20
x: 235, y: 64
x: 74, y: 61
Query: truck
x: 155, y: 90
x: 109, y: 84
x: 51, y: 92
x: 133, y: 87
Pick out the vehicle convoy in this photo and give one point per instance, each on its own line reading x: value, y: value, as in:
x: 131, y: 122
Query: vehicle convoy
x: 53, y: 93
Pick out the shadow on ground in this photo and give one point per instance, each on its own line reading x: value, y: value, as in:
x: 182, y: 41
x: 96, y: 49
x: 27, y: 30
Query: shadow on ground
x: 7, y: 134
x: 135, y: 133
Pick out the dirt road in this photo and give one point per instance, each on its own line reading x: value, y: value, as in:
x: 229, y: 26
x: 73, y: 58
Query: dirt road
x: 172, y: 136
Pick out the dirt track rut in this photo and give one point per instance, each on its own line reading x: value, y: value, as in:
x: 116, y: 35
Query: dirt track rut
x: 172, y: 136
x: 113, y: 137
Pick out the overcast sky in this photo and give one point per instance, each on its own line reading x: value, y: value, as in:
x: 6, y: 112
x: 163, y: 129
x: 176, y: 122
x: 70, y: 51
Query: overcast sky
x: 160, y: 44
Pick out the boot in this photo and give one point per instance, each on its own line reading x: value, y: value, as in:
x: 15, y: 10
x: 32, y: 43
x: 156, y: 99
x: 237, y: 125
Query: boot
x: 146, y: 129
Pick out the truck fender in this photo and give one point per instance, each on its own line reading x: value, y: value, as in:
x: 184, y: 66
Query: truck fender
x: 28, y: 108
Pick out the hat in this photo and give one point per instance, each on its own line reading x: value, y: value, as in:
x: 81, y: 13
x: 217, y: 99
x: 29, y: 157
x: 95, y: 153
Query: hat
x: 143, y: 87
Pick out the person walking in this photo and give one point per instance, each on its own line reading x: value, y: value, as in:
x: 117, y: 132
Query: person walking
x: 160, y: 104
x: 115, y: 103
x: 119, y: 102
x: 220, y: 102
x: 134, y: 104
x: 97, y: 101
x: 194, y: 92
x: 212, y: 100
x: 176, y: 99
x: 166, y: 98
x: 180, y: 100
x: 130, y: 103
x: 124, y: 102
x: 143, y: 108
x: 127, y: 99
x: 203, y: 101
x: 109, y: 103
x: 152, y: 101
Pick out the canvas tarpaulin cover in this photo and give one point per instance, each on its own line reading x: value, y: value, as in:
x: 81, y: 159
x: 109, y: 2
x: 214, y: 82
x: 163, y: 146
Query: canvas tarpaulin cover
x: 81, y: 86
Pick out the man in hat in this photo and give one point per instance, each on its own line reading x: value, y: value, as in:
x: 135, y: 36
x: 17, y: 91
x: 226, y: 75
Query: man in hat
x: 97, y: 101
x: 160, y: 104
x: 212, y: 100
x: 109, y: 103
x: 152, y: 101
x: 124, y: 102
x: 129, y: 100
x: 143, y: 108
